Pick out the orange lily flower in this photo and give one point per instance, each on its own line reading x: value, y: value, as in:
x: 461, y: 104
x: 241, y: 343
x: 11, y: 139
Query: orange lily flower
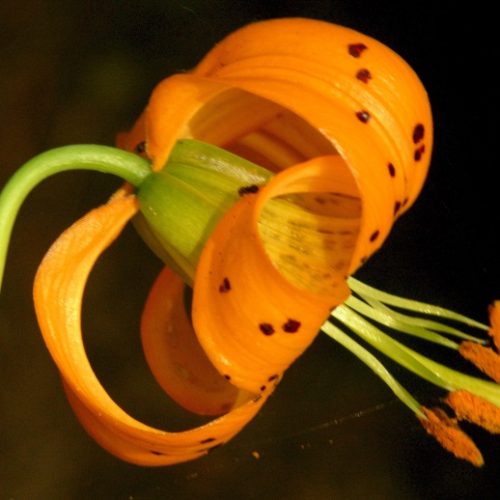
x: 345, y: 125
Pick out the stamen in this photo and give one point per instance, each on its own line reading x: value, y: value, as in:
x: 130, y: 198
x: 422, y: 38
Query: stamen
x: 365, y: 290
x: 424, y: 324
x: 378, y: 312
x: 468, y: 406
x: 483, y: 358
x: 374, y: 364
x: 450, y: 436
x: 434, y: 372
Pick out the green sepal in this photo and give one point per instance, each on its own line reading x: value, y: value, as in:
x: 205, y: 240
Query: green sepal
x: 182, y: 203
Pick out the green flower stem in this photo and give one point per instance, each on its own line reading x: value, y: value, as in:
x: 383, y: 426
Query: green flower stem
x: 411, y: 305
x: 375, y: 365
x: 109, y: 160
x: 432, y: 371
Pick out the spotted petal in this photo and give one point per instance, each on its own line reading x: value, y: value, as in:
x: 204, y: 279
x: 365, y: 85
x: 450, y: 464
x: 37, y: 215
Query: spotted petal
x: 58, y: 290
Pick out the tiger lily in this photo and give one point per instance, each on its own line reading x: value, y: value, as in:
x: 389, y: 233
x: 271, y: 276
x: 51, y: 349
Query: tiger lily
x: 341, y: 130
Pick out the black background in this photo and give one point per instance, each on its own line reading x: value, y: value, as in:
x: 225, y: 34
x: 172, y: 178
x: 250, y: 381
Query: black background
x: 77, y: 72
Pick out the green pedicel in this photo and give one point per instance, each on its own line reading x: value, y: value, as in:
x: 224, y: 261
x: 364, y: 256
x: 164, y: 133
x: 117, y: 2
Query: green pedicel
x: 103, y: 159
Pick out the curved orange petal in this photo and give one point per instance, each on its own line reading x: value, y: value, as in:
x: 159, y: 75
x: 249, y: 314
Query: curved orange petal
x: 320, y: 60
x: 310, y: 69
x: 250, y: 319
x: 172, y: 104
x: 174, y: 355
x: 58, y: 291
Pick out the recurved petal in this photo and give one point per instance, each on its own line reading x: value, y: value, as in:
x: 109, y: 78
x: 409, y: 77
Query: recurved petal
x: 251, y: 317
x: 175, y: 356
x: 381, y: 126
x: 58, y: 291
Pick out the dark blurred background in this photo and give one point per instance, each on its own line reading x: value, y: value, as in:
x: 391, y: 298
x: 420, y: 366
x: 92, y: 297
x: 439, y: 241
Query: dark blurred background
x: 78, y: 72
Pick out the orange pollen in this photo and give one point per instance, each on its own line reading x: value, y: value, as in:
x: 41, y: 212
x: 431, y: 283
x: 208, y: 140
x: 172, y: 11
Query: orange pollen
x: 494, y: 313
x: 487, y: 360
x: 450, y: 436
x: 468, y: 406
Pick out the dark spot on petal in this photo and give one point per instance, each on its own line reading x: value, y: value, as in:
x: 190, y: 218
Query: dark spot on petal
x: 363, y: 116
x: 405, y: 201
x: 364, y: 259
x: 397, y: 207
x: 266, y: 328
x: 418, y: 133
x: 262, y: 388
x: 248, y: 190
x: 159, y: 453
x: 364, y: 75
x: 291, y: 326
x: 273, y: 377
x: 374, y: 236
x: 207, y: 440
x: 356, y: 49
x: 225, y: 286
x: 227, y: 377
x: 140, y: 148
x: 419, y: 152
x: 392, y: 169
x: 257, y: 398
